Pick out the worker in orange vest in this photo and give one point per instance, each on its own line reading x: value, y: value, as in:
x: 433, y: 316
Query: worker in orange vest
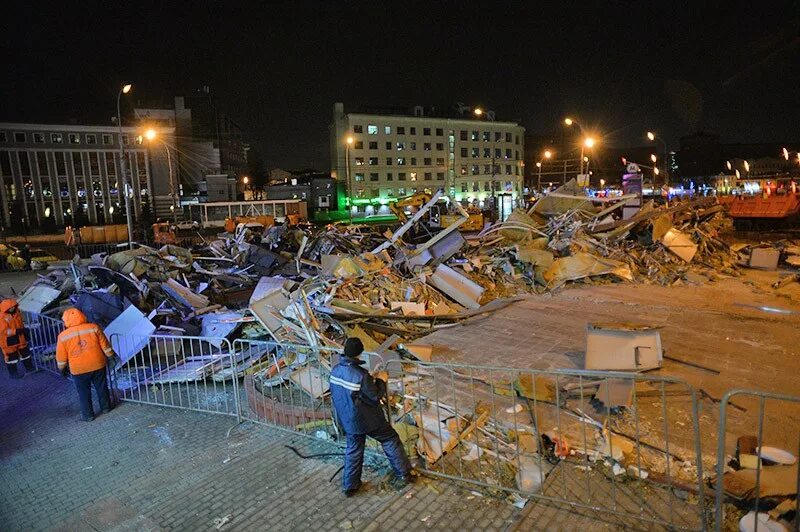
x: 13, y: 338
x: 85, y: 349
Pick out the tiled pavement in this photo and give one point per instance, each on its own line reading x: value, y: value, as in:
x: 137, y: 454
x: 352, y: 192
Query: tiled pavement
x: 151, y: 468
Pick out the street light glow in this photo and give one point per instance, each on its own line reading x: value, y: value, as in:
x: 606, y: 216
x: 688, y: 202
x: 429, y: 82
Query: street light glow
x: 602, y: 183
x: 738, y: 175
x: 547, y: 154
x: 349, y: 140
x: 245, y: 180
x: 651, y: 135
x: 653, y: 157
x: 746, y: 166
x: 150, y: 134
x: 478, y: 111
x: 588, y: 142
x: 127, y: 88
x: 655, y: 171
x: 538, y: 164
x: 728, y: 164
x: 786, y: 154
x: 568, y: 121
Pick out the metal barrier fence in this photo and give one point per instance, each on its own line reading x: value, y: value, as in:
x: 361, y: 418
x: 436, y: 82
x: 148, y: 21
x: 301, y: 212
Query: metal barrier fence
x: 288, y: 388
x: 755, y: 480
x: 510, y: 429
x: 189, y: 372
x: 43, y: 333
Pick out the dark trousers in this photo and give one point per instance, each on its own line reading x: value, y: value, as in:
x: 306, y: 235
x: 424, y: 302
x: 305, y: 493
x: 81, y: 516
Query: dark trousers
x: 354, y: 455
x: 84, y: 383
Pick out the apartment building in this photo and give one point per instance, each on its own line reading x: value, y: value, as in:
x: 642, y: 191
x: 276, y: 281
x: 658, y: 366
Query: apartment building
x: 386, y: 153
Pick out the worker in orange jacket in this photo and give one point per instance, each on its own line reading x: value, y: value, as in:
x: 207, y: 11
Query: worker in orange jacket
x: 84, y: 348
x: 13, y: 338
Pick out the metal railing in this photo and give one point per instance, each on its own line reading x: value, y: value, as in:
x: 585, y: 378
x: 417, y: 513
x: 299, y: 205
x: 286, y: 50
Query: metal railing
x: 559, y: 436
x: 189, y: 372
x: 43, y: 334
x: 754, y: 487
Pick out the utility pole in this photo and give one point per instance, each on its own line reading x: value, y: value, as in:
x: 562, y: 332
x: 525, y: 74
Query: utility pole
x: 123, y: 164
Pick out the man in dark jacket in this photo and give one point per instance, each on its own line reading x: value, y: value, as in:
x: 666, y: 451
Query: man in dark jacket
x: 356, y: 397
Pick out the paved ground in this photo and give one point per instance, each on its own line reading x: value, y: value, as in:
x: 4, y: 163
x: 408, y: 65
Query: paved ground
x: 150, y: 468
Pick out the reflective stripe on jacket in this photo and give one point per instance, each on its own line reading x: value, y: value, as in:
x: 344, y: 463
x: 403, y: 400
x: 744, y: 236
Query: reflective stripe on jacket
x: 356, y: 397
x: 83, y: 345
x: 12, y: 337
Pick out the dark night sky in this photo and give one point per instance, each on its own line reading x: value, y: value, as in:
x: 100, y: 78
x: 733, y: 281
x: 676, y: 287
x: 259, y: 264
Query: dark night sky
x: 277, y: 68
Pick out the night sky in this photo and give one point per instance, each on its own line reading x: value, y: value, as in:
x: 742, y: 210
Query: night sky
x: 620, y: 67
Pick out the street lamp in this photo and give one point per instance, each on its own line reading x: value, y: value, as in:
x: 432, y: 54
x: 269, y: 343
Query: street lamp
x: 151, y: 134
x: 729, y: 165
x: 478, y: 111
x: 348, y: 142
x: 547, y: 154
x: 539, y: 179
x: 653, y: 137
x: 602, y: 183
x: 653, y: 157
x: 125, y: 89
x: 568, y: 121
x: 785, y: 154
x: 747, y: 167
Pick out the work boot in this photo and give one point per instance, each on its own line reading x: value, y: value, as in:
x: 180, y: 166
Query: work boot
x: 351, y: 491
x: 410, y: 477
x: 13, y: 372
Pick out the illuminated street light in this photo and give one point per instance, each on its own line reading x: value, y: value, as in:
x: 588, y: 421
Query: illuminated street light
x: 111, y: 210
x: 738, y: 175
x: 651, y: 135
x: 747, y: 166
x: 538, y: 164
x: 588, y: 142
x: 728, y: 164
x: 478, y: 111
x: 568, y: 121
x: 586, y: 159
x: 653, y: 157
x: 150, y: 134
x: 245, y: 180
x: 602, y: 183
x: 655, y: 171
x: 547, y: 154
x: 349, y: 140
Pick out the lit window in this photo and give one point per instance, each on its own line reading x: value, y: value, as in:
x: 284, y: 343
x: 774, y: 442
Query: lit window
x: 91, y: 139
x: 426, y: 131
x: 389, y: 161
x: 106, y: 138
x: 463, y: 170
x: 475, y: 169
x: 401, y: 130
x: 475, y: 152
x: 373, y: 161
x: 401, y: 177
x: 20, y: 137
x: 359, y: 145
x: 372, y: 129
x: 389, y: 177
x: 358, y: 129
x: 387, y: 130
x: 38, y: 138
x: 508, y: 153
x: 413, y: 130
x: 359, y: 161
x: 440, y: 176
x: 74, y: 138
x: 426, y: 161
x: 390, y: 192
x: 373, y: 176
x: 475, y: 135
x: 428, y: 176
x: 401, y: 161
x: 401, y: 146
x: 487, y: 136
x: 439, y: 132
x: 426, y: 146
x: 413, y: 176
x: 359, y: 177
x: 138, y: 139
x: 463, y: 134
x: 401, y: 191
x: 56, y: 138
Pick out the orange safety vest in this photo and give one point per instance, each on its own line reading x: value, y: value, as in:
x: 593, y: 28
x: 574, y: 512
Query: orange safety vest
x: 82, y: 345
x: 12, y: 338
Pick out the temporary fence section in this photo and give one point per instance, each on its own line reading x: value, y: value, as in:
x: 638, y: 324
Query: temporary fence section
x: 604, y: 441
x: 190, y: 372
x: 43, y: 333
x: 766, y: 482
x: 288, y: 386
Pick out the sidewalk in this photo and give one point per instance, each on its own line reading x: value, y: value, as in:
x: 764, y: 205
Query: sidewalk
x: 150, y: 468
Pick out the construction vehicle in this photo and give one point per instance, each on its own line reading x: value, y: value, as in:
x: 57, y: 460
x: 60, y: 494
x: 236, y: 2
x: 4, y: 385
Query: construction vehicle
x: 776, y: 207
x: 441, y: 215
x: 96, y: 234
x: 164, y: 233
x: 265, y: 221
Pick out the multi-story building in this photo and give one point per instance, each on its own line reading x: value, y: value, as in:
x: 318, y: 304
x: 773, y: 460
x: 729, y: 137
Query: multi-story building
x: 392, y: 153
x: 57, y: 174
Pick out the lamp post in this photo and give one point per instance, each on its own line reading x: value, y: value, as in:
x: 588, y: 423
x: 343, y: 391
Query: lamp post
x: 547, y: 155
x: 348, y: 142
x: 151, y: 134
x: 588, y: 142
x: 125, y: 89
x: 653, y: 137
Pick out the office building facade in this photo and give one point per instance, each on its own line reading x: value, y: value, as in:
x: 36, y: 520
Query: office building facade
x: 56, y: 174
x: 476, y: 160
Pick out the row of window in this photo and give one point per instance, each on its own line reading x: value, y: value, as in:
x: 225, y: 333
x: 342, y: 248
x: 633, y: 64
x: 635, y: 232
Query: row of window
x: 401, y: 176
x: 474, y: 186
x: 373, y: 145
x: 72, y: 138
x: 90, y: 165
x: 388, y: 192
x: 476, y: 135
x: 401, y: 161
